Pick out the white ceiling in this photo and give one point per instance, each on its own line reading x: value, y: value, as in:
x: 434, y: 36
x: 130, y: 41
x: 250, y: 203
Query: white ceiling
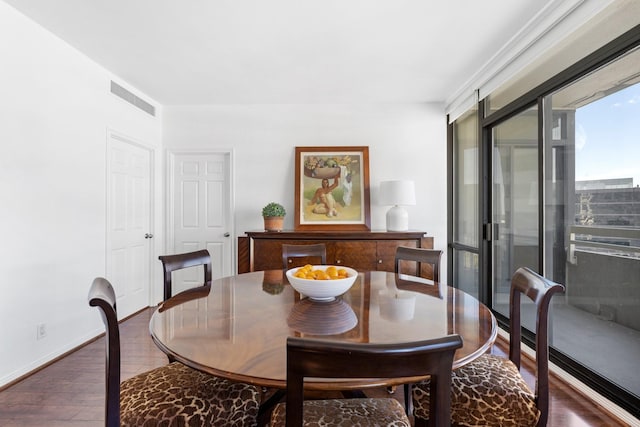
x: 287, y: 51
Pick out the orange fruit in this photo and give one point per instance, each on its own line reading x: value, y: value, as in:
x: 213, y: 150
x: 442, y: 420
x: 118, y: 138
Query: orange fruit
x: 321, y: 275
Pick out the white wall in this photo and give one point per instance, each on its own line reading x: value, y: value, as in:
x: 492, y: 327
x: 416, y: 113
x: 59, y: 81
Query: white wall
x: 405, y: 142
x: 55, y: 109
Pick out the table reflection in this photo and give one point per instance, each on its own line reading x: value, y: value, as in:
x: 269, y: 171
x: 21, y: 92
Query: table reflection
x: 310, y: 317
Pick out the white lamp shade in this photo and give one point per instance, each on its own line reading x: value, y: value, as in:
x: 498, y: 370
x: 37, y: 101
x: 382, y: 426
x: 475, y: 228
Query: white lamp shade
x: 397, y: 193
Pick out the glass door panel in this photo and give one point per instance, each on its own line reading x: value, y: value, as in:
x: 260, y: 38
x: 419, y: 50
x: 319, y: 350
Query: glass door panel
x: 515, y: 210
x: 592, y: 219
x: 465, y: 203
x: 465, y: 265
x: 465, y: 140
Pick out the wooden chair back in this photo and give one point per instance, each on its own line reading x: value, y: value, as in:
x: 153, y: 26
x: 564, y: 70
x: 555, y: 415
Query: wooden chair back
x: 420, y: 256
x: 171, y: 263
x: 411, y: 260
x: 298, y: 255
x: 539, y: 290
x: 322, y: 359
x: 102, y: 295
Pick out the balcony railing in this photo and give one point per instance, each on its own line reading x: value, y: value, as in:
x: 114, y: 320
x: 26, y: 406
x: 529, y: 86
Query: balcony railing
x: 604, y: 240
x: 603, y: 271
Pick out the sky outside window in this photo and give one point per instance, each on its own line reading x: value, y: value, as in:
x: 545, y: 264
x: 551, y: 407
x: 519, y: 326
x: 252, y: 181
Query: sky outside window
x: 608, y: 137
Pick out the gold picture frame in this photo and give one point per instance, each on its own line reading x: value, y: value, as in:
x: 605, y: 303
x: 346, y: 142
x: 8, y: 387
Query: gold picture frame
x: 332, y: 188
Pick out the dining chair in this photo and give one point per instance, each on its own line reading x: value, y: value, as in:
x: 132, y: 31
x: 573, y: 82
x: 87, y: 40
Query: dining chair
x: 490, y: 390
x: 298, y: 255
x: 173, y: 394
x: 420, y: 256
x: 324, y: 359
x: 171, y: 263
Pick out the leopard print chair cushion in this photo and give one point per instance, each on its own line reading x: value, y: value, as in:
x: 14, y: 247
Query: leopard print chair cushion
x: 486, y: 392
x: 347, y: 413
x: 176, y: 395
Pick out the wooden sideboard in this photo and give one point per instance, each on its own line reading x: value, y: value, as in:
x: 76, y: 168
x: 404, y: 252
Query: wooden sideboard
x: 362, y: 250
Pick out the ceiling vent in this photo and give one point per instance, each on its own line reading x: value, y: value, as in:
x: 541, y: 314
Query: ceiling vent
x: 132, y: 99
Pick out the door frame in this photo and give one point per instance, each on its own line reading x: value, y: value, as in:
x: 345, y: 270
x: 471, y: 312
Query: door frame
x: 170, y: 198
x: 112, y: 133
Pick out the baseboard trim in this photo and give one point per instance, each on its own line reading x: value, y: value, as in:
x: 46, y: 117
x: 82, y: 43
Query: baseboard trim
x: 60, y: 356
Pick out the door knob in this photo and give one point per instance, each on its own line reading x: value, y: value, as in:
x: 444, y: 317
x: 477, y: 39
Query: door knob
x: 226, y: 234
x: 148, y: 236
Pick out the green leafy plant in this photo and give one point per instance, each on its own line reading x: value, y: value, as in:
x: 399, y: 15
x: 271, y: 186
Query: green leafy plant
x: 273, y: 209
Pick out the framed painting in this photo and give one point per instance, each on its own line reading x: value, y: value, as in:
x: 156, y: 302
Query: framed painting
x: 332, y: 188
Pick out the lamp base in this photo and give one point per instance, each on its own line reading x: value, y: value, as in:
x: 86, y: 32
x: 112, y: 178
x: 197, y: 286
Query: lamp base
x: 397, y: 219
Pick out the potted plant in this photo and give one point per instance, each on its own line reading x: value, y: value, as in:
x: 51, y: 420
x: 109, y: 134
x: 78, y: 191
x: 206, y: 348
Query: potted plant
x: 273, y: 215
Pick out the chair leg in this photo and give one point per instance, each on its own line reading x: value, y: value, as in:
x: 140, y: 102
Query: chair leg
x: 408, y: 400
x: 268, y: 404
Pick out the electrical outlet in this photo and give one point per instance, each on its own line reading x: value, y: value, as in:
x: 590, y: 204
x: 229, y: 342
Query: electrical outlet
x: 41, y: 330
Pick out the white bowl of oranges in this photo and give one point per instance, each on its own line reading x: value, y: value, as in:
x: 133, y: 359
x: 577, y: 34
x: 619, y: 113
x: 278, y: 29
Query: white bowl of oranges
x: 322, y: 282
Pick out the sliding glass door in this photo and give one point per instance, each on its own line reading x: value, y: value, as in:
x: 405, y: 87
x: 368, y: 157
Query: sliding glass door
x: 465, y: 236
x: 593, y: 219
x: 553, y: 184
x: 514, y: 230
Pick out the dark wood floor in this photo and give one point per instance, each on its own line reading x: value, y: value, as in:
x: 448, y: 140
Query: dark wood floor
x: 70, y: 392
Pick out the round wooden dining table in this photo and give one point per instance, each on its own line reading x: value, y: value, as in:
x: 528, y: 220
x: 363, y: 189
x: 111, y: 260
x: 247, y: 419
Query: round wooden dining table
x: 236, y: 327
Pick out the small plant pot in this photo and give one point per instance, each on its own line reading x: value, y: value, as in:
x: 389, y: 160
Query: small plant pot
x: 272, y: 282
x: 273, y: 223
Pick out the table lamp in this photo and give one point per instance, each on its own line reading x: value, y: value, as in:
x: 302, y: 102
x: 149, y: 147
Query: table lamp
x: 397, y: 193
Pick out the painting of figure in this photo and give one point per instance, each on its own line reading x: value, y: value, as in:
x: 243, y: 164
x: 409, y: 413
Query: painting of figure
x: 332, y: 187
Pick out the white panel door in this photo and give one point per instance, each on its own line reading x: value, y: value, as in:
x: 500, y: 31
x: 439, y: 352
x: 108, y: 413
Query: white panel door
x: 128, y: 223
x: 201, y: 213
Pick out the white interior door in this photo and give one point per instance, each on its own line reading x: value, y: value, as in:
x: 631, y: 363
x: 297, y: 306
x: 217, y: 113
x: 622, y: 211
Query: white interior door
x: 128, y: 223
x: 200, y: 213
